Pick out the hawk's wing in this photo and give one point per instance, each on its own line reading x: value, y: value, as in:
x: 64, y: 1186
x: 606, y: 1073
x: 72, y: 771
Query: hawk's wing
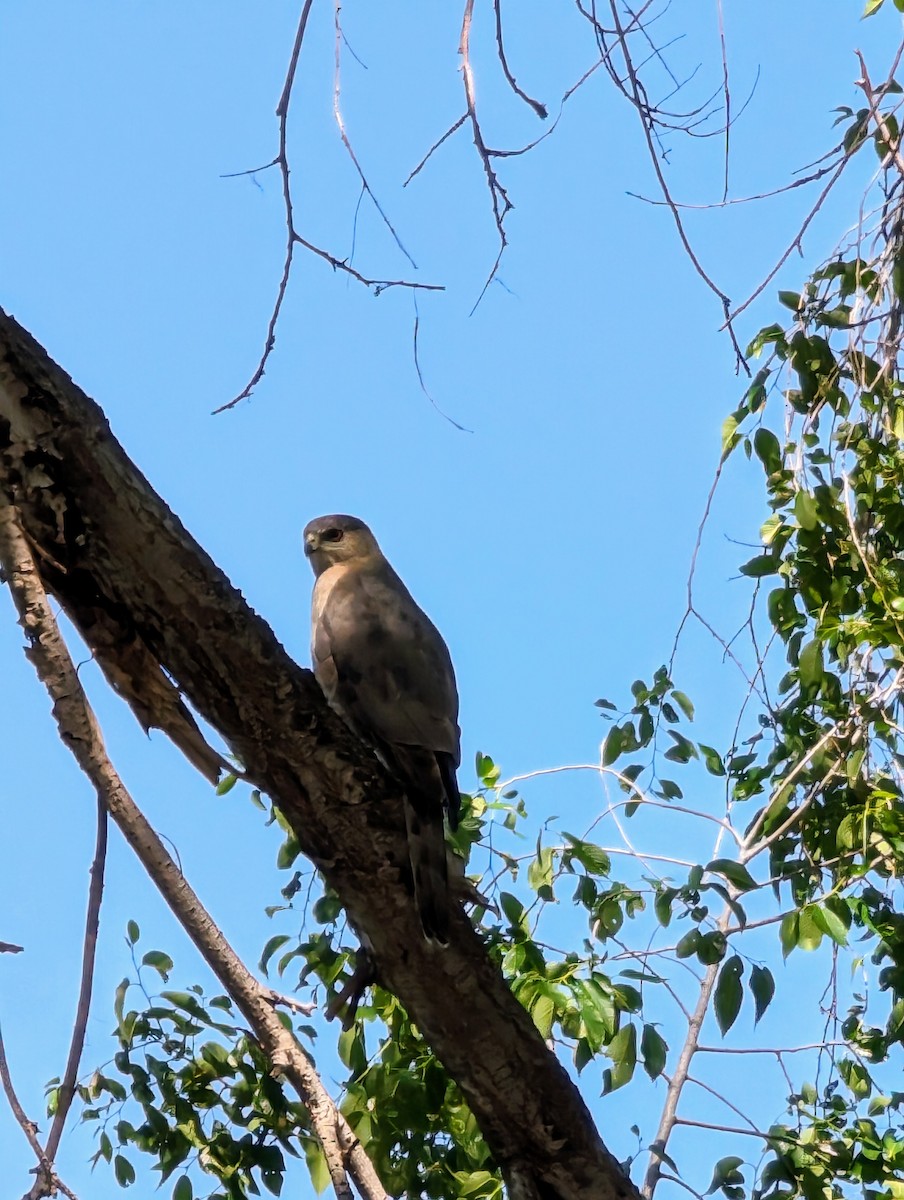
x: 382, y: 662
x: 385, y: 668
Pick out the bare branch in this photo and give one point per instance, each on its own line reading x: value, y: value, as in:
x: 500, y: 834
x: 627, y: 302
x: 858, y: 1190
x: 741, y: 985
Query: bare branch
x: 539, y: 109
x: 378, y: 285
x: 293, y: 237
x: 638, y: 98
x: 47, y: 1182
x: 680, y: 1075
x: 436, y: 145
x: 340, y: 125
x: 420, y: 375
x: 498, y: 195
x: 89, y: 953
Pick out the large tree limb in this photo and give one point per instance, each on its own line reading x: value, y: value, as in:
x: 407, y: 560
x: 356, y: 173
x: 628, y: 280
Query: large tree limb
x: 154, y: 608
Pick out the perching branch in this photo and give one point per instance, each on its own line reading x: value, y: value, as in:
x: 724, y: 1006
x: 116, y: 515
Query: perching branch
x: 128, y: 574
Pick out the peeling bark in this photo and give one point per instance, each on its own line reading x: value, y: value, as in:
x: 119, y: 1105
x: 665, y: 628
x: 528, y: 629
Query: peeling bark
x: 164, y: 621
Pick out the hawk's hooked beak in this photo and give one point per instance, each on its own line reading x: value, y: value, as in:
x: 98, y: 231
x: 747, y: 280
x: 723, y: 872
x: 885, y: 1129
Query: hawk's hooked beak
x: 310, y: 544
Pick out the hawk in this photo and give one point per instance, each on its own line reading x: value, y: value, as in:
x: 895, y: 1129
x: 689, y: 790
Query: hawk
x: 385, y: 669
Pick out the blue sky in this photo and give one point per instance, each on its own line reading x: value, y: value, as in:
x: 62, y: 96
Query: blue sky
x: 550, y: 544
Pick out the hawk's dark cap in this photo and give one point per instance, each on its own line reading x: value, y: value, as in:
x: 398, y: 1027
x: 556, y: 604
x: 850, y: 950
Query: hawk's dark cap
x: 334, y: 521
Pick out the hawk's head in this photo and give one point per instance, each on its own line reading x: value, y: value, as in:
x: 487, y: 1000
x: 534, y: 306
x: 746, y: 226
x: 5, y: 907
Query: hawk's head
x: 337, y: 539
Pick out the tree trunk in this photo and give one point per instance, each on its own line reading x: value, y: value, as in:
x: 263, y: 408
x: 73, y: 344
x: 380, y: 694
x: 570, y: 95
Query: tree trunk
x: 160, y: 616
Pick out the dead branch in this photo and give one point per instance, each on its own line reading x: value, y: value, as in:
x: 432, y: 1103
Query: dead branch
x: 89, y: 954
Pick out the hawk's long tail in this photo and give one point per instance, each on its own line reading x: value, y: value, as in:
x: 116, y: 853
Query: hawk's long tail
x: 427, y: 852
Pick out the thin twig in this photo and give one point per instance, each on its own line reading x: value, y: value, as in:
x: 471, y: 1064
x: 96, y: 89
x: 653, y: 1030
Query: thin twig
x: 766, y: 1137
x: 282, y: 161
x: 768, y: 1049
x: 420, y: 374
x: 539, y: 109
x: 343, y: 135
x: 499, y: 199
x: 641, y: 106
x: 795, y: 244
x: 47, y: 1182
x: 89, y: 954
x: 727, y: 95
x: 725, y: 203
x: 436, y: 145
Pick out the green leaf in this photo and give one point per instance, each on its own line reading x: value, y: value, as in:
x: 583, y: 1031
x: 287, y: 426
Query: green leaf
x: 683, y: 750
x: 317, y: 1166
x: 513, y: 910
x: 183, y: 1189
x: 119, y: 999
x: 662, y: 905
x: 763, y: 564
x: 726, y: 1174
x: 597, y: 1009
x: 730, y: 435
x: 805, y: 510
x: 792, y: 300
x: 810, y: 933
x: 133, y: 933
x: 592, y: 857
x: 287, y: 853
x: 669, y: 790
x: 729, y: 993
x: 226, y: 784
x: 543, y: 1011
x: 539, y: 873
x: 856, y: 1077
x: 872, y: 6
x: 653, y: 1050
x: 688, y: 944
x: 711, y: 947
x: 273, y: 944
x: 612, y: 747
x: 830, y: 923
x: 712, y: 759
x: 123, y: 1170
x: 809, y: 664
x: 161, y: 963
x: 623, y: 1052
x: 583, y: 1054
x: 684, y: 704
x: 768, y: 450
x: 789, y: 932
x: 735, y: 872
x: 762, y: 987
x: 488, y: 772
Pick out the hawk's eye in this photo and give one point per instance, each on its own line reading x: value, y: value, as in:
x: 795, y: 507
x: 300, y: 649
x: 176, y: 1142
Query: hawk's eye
x: 333, y: 535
